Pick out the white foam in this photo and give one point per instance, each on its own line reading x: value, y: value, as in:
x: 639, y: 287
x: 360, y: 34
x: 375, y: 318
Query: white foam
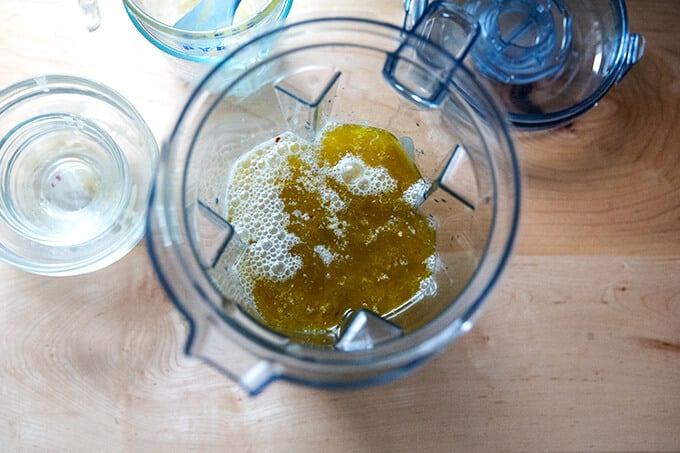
x: 326, y: 255
x: 360, y: 178
x: 431, y: 263
x: 428, y: 287
x: 255, y: 209
x: 257, y: 212
x: 415, y: 193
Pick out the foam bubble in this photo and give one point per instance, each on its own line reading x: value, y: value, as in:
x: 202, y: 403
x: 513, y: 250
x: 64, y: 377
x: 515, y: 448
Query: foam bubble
x: 415, y: 193
x: 331, y: 200
x: 360, y: 178
x: 428, y: 287
x: 254, y: 204
x: 431, y: 263
x: 326, y: 255
x: 255, y: 209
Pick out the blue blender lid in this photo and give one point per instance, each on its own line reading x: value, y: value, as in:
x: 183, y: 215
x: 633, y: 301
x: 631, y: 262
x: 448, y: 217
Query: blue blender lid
x: 521, y: 41
x: 548, y: 61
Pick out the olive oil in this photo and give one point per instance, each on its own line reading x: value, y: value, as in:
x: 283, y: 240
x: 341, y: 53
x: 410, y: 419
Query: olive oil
x: 331, y: 228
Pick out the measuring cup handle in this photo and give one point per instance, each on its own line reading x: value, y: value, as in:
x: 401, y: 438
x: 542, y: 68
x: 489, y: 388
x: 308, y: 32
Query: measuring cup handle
x: 90, y: 10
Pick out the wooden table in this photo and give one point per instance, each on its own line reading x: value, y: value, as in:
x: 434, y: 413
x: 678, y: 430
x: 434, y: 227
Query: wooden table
x: 578, y: 350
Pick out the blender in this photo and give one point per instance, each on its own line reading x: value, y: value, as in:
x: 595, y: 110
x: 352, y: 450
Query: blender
x: 315, y: 74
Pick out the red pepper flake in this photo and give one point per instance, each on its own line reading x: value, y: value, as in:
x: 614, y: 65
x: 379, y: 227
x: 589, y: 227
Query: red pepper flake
x: 58, y: 178
x: 277, y: 139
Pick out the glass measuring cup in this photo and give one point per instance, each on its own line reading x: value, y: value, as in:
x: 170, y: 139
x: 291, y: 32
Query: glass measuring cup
x: 315, y: 73
x: 164, y: 24
x: 76, y: 162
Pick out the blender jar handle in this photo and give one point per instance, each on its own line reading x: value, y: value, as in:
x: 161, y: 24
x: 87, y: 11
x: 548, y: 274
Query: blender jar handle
x: 420, y: 68
x: 414, y: 10
x: 448, y: 26
x: 208, y: 342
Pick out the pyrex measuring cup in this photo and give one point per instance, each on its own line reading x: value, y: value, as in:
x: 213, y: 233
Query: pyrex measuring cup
x: 164, y: 24
x: 316, y: 73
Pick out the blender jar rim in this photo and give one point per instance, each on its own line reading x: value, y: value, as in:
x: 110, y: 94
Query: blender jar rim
x: 431, y: 337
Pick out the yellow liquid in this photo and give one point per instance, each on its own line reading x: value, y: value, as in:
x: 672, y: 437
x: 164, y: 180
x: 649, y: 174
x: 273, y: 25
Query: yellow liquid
x: 352, y: 239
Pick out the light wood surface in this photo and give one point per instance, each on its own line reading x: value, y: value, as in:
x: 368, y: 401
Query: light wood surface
x: 577, y: 350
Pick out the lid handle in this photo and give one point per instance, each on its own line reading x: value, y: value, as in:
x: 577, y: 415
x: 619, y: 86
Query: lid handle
x: 634, y: 52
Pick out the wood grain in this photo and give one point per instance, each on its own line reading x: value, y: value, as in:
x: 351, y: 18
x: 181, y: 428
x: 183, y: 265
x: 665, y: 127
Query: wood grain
x: 609, y: 183
x: 577, y: 350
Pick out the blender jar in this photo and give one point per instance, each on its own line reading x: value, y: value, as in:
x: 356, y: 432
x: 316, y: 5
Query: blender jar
x: 315, y: 74
x: 547, y: 61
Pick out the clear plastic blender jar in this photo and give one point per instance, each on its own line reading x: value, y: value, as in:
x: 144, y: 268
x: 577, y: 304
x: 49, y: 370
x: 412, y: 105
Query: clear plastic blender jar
x: 316, y: 73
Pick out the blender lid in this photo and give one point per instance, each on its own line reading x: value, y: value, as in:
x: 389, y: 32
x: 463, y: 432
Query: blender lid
x: 548, y: 61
